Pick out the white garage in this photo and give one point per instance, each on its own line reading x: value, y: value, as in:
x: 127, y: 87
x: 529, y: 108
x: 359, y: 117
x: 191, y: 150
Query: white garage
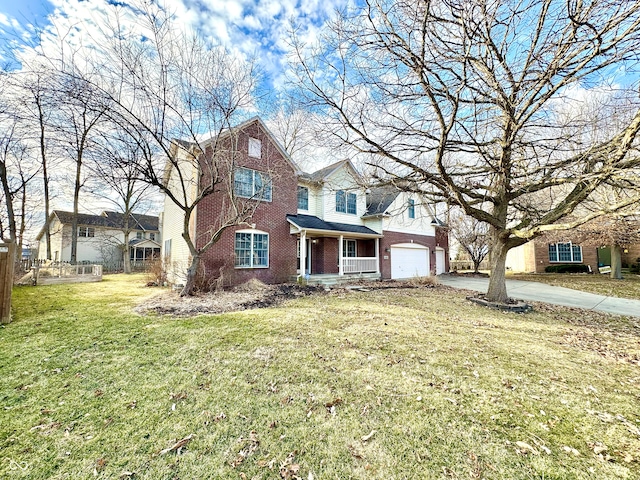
x: 409, y: 260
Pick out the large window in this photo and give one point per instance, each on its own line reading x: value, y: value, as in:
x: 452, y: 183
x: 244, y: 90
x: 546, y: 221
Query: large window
x: 303, y: 198
x: 565, y: 253
x: 411, y: 209
x: 346, y: 202
x: 86, y: 232
x: 252, y: 184
x: 252, y: 250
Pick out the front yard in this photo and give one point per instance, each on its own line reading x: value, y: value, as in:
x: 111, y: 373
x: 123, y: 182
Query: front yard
x: 410, y: 383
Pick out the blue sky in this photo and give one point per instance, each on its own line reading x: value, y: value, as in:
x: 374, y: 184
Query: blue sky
x: 249, y: 26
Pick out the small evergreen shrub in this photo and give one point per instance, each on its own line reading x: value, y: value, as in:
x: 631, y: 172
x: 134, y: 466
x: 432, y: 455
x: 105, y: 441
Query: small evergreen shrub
x: 567, y: 268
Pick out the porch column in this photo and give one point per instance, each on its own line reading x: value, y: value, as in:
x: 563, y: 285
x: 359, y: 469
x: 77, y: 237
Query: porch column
x: 340, y: 256
x: 303, y: 252
x: 378, y: 256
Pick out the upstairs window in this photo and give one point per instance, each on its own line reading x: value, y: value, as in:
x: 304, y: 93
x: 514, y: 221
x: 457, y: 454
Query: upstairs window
x: 252, y: 250
x: 565, y: 253
x: 255, y: 148
x: 346, y: 202
x: 139, y: 235
x: 303, y: 198
x: 252, y: 184
x: 152, y: 236
x: 86, y: 232
x: 411, y: 210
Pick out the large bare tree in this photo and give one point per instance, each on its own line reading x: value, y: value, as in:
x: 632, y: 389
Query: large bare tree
x: 178, y: 96
x: 477, y: 103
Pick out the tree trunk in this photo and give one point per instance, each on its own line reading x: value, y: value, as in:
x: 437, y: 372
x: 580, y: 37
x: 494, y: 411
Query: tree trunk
x: 190, y: 284
x: 126, y: 256
x: 616, y: 262
x: 497, y: 291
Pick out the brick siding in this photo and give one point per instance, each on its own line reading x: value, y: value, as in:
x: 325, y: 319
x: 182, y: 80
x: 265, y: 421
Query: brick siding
x: 269, y: 217
x: 541, y: 255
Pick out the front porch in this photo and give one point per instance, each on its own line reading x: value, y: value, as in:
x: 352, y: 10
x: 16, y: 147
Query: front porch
x: 327, y: 252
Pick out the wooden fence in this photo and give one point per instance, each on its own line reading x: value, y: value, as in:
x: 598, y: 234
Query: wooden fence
x: 7, y: 264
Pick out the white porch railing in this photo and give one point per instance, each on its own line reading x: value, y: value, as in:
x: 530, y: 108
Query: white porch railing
x: 359, y: 264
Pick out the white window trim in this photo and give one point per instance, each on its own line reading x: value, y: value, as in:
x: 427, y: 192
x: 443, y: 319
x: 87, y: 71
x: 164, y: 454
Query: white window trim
x: 252, y: 232
x: 570, y: 249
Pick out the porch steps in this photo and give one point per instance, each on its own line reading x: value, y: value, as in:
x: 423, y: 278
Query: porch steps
x: 335, y: 279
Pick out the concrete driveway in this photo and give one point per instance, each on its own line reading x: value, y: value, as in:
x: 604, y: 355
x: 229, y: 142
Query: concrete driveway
x: 540, y: 292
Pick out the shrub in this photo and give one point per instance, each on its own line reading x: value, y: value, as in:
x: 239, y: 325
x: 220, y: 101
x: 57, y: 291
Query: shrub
x: 567, y: 268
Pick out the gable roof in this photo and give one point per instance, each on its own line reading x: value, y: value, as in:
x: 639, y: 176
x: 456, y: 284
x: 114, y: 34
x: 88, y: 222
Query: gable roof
x: 208, y: 139
x: 380, y: 199
x: 107, y: 219
x: 321, y: 175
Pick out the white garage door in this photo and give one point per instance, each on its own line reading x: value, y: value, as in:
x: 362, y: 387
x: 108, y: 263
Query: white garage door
x: 440, y: 261
x: 409, y: 260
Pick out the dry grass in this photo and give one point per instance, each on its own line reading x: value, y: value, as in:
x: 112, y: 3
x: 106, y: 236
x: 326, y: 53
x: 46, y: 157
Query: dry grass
x: 389, y: 384
x: 628, y: 287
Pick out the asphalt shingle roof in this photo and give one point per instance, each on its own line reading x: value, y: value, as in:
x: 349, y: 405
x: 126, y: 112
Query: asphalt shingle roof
x: 110, y: 220
x: 315, y: 223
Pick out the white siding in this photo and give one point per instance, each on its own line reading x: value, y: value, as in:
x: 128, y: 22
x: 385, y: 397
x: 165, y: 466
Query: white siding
x: 399, y: 220
x: 342, y: 179
x: 172, y: 224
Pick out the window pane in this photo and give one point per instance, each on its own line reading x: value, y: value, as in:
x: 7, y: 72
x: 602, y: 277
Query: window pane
x: 243, y: 182
x: 303, y: 198
x: 260, y: 250
x: 553, y: 253
x: 351, y: 203
x: 243, y: 249
x: 577, y: 253
x: 262, y: 186
x: 341, y: 202
x: 564, y: 252
x: 412, y: 209
x: 91, y: 232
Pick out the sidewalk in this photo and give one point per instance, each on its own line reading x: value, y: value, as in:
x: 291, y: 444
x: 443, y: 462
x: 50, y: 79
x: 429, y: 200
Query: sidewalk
x: 540, y: 292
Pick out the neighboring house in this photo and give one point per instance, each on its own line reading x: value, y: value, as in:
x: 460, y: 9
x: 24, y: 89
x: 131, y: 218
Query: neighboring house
x: 327, y: 221
x: 535, y: 255
x: 100, y: 237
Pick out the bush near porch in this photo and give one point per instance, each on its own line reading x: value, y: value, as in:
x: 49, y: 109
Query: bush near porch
x: 412, y: 383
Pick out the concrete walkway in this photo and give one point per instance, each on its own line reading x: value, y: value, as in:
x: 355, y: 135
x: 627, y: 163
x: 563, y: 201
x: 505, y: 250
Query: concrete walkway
x: 541, y: 292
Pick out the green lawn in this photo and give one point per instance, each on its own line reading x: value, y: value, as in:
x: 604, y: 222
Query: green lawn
x: 390, y: 384
x: 628, y: 287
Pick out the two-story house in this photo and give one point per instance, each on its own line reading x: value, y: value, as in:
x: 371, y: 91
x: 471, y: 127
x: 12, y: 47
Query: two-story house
x: 100, y: 237
x: 323, y: 226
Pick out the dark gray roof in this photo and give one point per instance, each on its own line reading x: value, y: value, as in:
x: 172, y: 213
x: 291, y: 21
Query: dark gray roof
x: 380, y: 198
x: 110, y: 219
x: 314, y: 223
x: 323, y: 173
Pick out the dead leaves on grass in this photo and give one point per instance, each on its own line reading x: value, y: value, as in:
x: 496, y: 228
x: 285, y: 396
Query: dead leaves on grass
x: 249, y: 446
x: 178, y: 446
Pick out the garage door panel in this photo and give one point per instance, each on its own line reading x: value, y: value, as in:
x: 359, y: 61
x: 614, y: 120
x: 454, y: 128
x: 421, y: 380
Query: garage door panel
x: 409, y: 261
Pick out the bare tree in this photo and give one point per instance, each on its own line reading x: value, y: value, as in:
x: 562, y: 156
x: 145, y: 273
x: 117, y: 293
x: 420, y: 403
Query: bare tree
x: 179, y: 98
x: 472, y: 235
x: 17, y: 172
x: 117, y: 166
x: 462, y: 100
